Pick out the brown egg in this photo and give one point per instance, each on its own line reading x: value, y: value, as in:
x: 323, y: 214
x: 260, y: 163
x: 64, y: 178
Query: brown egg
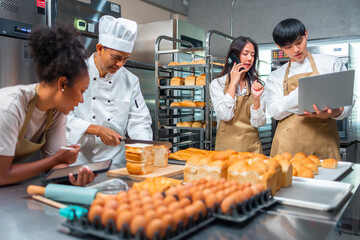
x: 111, y: 204
x: 221, y: 186
x: 222, y: 180
x: 173, y: 206
x: 156, y: 225
x: 161, y: 210
x: 137, y: 222
x: 214, y: 189
x: 95, y: 210
x: 193, y: 190
x: 196, y: 182
x: 137, y: 211
x: 135, y: 204
x: 134, y: 197
x: 191, y: 211
x: 149, y: 215
x: 227, y: 191
x: 248, y: 193
x: 148, y: 206
x: 184, y: 202
x: 202, y: 181
x: 220, y: 195
x: 227, y: 203
x: 206, y: 192
x: 121, y: 195
x: 157, y: 196
x: 169, y: 199
x: 201, y: 187
x: 171, y: 191
x: 146, y: 199
x: 158, y: 202
x: 132, y: 191
x: 123, y: 207
x: 98, y: 201
x: 239, y: 196
x: 246, y: 184
x: 180, y: 215
x: 144, y: 193
x: 200, y: 207
x: 209, y: 178
x: 210, y: 200
x: 108, y: 213
x: 227, y: 184
x: 184, y: 193
x: 208, y: 185
x: 186, y: 185
x: 197, y: 196
x: 121, y: 219
x: 110, y: 198
x: 168, y: 220
x: 256, y: 189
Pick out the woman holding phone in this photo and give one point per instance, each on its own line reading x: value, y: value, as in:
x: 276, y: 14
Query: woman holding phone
x: 32, y: 117
x: 238, y: 99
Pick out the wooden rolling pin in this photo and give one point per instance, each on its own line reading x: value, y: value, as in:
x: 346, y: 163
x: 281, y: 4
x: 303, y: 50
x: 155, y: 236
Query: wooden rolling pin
x: 65, y: 193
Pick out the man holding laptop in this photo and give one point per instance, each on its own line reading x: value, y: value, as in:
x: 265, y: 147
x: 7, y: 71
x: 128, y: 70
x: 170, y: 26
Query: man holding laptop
x: 312, y: 133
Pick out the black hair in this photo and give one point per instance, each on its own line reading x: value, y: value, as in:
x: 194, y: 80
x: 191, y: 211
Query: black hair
x: 57, y: 52
x: 288, y: 31
x: 236, y: 47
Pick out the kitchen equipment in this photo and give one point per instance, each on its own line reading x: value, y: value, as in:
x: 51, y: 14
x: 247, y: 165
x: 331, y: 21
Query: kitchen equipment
x: 314, y: 194
x: 132, y: 141
x: 169, y: 171
x: 65, y: 193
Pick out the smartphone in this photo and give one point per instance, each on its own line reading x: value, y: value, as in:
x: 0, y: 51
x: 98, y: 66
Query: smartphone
x: 62, y: 174
x: 233, y: 60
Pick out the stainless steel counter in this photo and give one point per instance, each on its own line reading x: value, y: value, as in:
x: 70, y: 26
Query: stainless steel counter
x: 25, y: 218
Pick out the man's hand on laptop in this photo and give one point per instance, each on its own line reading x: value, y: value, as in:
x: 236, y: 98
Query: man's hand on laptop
x: 327, y: 113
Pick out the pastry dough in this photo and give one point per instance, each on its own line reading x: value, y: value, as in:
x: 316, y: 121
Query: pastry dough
x: 177, y: 81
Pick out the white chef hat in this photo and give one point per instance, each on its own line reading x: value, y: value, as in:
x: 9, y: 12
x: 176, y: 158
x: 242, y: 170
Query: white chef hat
x: 117, y: 33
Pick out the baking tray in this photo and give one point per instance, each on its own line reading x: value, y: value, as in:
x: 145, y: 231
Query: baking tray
x: 171, y: 107
x: 314, y: 194
x: 334, y: 174
x: 183, y: 128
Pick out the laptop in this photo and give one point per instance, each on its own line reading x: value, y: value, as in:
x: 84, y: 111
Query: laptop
x: 332, y: 90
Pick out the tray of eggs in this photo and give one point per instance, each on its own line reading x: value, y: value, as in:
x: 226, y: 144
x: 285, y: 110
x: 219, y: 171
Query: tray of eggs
x: 140, y: 215
x: 227, y: 200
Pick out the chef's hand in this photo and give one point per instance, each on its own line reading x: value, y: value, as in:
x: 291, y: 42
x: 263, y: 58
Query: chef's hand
x: 327, y: 113
x: 67, y: 156
x: 256, y: 90
x: 108, y: 136
x: 235, y: 73
x: 85, y: 176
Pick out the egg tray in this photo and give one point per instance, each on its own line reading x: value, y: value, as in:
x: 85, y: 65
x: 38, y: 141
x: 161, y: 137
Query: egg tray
x: 241, y: 212
x: 82, y: 227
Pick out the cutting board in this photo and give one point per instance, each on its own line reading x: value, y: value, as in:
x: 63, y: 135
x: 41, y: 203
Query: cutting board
x: 169, y: 171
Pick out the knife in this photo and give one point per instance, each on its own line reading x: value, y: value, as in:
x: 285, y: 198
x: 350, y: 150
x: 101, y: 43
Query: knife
x: 132, y: 141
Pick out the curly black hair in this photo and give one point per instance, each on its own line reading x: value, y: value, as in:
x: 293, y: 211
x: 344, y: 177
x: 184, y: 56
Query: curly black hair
x: 57, y: 52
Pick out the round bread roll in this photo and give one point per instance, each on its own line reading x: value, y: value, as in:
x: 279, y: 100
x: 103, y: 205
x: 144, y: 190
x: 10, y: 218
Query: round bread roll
x: 315, y: 159
x: 187, y: 124
x: 197, y: 125
x: 300, y: 155
x: 305, y: 172
x: 200, y: 104
x: 329, y: 163
x: 187, y: 103
x: 179, y: 124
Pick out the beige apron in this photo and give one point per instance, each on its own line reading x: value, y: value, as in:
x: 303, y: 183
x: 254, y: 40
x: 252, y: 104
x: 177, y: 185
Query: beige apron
x: 305, y: 134
x: 238, y: 134
x: 25, y: 147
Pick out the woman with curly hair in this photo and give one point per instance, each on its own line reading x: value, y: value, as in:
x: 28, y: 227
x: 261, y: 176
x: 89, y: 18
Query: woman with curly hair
x: 33, y: 117
x: 238, y: 99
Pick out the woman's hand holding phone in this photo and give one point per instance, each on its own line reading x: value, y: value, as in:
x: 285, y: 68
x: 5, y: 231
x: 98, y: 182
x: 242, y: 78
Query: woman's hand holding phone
x: 236, y: 71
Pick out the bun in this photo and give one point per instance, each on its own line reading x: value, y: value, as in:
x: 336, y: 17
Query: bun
x: 175, y: 104
x: 173, y: 63
x: 329, y: 163
x: 305, y: 172
x: 187, y: 103
x: 179, y: 124
x: 201, y: 80
x: 190, y: 80
x: 200, y: 104
x: 197, y: 125
x: 177, y: 81
x: 187, y: 124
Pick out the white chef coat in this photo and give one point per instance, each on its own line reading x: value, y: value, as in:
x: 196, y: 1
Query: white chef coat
x: 14, y: 103
x: 115, y: 102
x: 225, y: 105
x: 280, y: 106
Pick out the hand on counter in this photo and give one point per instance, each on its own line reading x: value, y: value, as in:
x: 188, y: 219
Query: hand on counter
x: 327, y: 113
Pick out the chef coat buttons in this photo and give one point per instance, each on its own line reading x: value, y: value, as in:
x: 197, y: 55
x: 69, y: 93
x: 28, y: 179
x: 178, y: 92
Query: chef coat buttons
x: 94, y: 78
x: 109, y: 82
x: 108, y: 101
x: 94, y: 98
x: 93, y: 117
x: 109, y: 119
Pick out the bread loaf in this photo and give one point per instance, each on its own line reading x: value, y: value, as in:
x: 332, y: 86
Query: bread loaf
x: 201, y: 80
x: 197, y: 125
x: 190, y: 80
x: 179, y: 124
x: 139, y: 169
x: 175, y: 104
x: 200, y: 104
x: 187, y: 103
x: 160, y: 156
x: 187, y: 124
x: 173, y: 63
x: 140, y: 158
x: 177, y: 81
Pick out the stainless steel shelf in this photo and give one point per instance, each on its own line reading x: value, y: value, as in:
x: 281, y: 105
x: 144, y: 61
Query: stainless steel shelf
x: 187, y: 87
x: 179, y: 144
x: 190, y: 108
x: 182, y: 50
x: 162, y: 117
x: 179, y: 67
x: 178, y: 135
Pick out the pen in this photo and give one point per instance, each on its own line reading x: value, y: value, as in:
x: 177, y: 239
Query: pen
x: 136, y: 104
x: 67, y: 148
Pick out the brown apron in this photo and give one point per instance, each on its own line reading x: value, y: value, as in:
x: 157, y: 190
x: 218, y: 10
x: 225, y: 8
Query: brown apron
x: 305, y: 134
x: 25, y: 147
x: 238, y: 134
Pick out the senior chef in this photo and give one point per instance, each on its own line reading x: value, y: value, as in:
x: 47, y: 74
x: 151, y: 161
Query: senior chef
x: 113, y: 104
